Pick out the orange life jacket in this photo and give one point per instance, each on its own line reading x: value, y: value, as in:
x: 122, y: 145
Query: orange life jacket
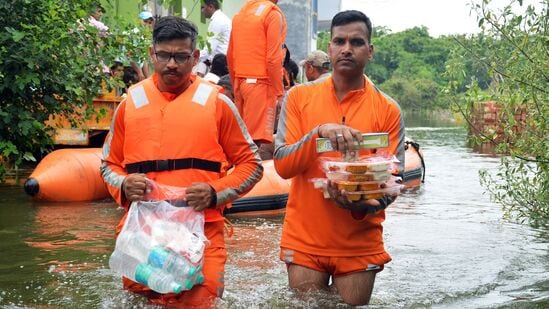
x: 250, y: 38
x: 174, y: 142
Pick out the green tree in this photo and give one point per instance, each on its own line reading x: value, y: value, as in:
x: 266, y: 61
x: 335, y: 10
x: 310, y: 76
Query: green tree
x: 51, y: 62
x: 514, y: 52
x: 323, y: 37
x: 409, y: 66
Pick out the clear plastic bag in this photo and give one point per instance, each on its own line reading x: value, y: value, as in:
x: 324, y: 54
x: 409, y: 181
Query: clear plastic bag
x: 161, y: 245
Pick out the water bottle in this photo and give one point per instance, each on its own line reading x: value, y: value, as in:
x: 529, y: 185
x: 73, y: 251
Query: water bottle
x: 154, y: 278
x: 198, y: 278
x: 174, y: 264
x: 189, y: 282
x: 134, y: 244
x: 123, y: 264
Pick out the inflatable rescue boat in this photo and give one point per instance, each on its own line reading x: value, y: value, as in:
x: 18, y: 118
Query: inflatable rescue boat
x: 72, y: 175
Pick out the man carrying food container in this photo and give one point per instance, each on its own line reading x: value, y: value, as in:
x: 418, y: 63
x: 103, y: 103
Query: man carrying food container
x: 342, y: 142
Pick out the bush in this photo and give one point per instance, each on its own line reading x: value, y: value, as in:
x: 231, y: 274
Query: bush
x: 515, y: 54
x: 51, y: 61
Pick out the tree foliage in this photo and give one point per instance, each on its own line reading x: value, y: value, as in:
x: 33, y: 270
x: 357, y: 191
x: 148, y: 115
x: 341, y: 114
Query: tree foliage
x: 51, y: 61
x: 512, y: 48
x: 408, y: 66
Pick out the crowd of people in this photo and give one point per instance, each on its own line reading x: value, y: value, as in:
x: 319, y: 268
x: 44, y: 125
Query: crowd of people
x: 229, y: 95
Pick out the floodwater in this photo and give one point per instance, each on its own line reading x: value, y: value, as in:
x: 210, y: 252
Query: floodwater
x: 450, y: 245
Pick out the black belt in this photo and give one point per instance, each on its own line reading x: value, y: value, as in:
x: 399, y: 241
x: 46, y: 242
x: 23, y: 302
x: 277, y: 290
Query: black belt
x: 173, y: 164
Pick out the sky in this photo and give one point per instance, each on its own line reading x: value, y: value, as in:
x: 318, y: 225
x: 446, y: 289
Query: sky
x: 441, y: 17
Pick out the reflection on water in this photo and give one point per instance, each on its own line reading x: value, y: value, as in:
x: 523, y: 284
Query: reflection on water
x: 450, y: 248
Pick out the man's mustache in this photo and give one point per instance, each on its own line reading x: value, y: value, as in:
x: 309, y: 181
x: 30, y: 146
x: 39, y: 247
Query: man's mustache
x: 170, y: 72
x: 345, y: 59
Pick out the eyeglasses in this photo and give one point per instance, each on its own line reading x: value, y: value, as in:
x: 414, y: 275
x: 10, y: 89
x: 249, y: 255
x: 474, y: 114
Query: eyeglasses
x: 178, y: 57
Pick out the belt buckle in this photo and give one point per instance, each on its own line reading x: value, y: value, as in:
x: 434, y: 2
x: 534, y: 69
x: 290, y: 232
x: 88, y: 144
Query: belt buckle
x: 162, y: 165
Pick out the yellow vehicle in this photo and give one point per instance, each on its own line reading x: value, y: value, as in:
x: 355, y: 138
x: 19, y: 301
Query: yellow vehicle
x: 81, y: 132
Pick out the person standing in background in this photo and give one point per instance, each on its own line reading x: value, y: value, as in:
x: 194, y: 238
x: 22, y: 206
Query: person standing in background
x: 143, y: 68
x: 97, y: 12
x: 147, y: 18
x: 217, y: 69
x: 316, y: 65
x: 255, y: 58
x: 220, y: 28
x: 335, y: 238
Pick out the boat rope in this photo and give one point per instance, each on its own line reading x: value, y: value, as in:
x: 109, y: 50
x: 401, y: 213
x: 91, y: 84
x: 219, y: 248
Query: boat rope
x: 228, y: 227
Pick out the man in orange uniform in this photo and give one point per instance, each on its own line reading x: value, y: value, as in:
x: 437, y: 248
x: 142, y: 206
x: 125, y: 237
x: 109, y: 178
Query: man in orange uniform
x: 177, y: 129
x: 255, y: 58
x: 320, y: 239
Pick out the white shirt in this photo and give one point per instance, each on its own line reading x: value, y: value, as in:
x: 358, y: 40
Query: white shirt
x: 220, y: 26
x: 211, y: 77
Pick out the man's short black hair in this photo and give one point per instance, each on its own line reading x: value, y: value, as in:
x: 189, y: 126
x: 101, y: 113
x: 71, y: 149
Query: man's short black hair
x: 293, y: 70
x: 116, y: 64
x: 215, y: 3
x: 219, y: 65
x: 351, y: 16
x: 96, y: 5
x: 130, y: 76
x: 170, y: 28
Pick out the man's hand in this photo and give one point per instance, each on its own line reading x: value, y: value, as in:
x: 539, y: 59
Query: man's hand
x: 135, y: 187
x: 342, y: 137
x: 200, y: 196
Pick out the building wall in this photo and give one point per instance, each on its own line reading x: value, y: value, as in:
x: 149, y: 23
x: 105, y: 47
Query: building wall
x: 326, y: 10
x: 299, y: 17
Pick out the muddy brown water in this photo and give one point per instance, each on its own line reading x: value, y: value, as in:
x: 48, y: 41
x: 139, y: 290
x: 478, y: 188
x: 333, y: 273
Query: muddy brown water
x: 450, y: 245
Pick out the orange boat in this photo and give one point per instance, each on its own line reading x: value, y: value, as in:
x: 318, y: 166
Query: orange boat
x: 68, y: 175
x: 72, y: 175
x: 268, y: 196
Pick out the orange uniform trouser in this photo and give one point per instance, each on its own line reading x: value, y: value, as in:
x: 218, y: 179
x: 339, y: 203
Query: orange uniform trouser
x: 256, y: 107
x: 203, y: 295
x: 336, y: 266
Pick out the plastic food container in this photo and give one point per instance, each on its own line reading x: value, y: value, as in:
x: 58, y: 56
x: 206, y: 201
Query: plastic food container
x: 373, y: 194
x: 359, y: 167
x: 368, y: 176
x: 357, y: 190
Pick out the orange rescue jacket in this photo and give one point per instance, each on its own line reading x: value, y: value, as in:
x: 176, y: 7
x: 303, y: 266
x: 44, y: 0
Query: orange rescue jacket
x: 199, y: 129
x: 256, y: 43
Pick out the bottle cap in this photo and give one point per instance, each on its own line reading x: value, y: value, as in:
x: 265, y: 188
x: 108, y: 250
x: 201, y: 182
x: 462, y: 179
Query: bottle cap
x: 177, y: 288
x: 192, y: 270
x: 142, y: 273
x: 157, y: 256
x: 188, y: 284
x: 199, y: 279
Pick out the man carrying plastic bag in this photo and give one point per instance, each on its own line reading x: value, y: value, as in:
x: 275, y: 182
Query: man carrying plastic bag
x: 161, y: 245
x: 176, y: 129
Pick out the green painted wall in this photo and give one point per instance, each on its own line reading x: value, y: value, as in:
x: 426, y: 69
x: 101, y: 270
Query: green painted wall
x: 129, y: 9
x: 193, y: 13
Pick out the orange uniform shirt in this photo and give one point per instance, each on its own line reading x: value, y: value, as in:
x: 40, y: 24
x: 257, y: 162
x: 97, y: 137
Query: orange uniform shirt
x: 312, y: 223
x: 255, y: 46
